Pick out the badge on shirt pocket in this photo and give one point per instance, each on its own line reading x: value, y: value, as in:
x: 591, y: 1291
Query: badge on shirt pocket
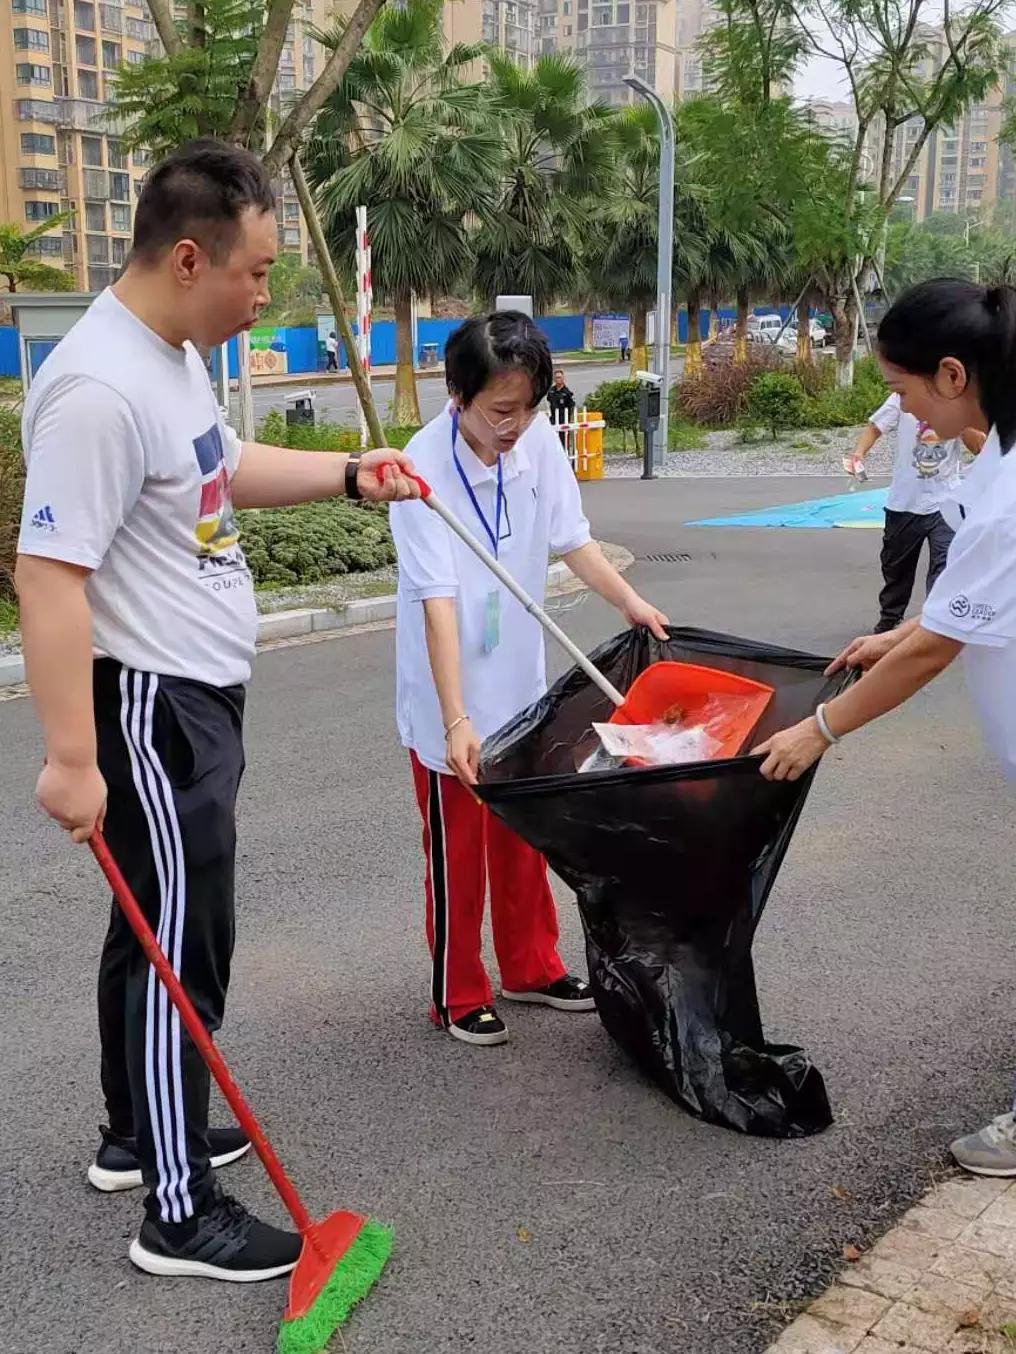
x: 492, y: 622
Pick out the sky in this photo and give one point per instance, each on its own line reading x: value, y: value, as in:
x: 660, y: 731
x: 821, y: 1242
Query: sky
x: 821, y: 78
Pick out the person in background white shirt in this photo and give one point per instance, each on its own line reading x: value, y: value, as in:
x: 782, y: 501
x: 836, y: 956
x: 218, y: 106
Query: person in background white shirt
x: 332, y: 349
x: 139, y: 622
x: 926, y: 469
x: 469, y: 658
x: 948, y: 349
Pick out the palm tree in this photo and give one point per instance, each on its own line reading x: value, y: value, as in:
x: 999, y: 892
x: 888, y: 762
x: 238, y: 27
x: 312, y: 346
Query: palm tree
x: 555, y: 153
x: 621, y: 236
x: 19, y: 269
x: 405, y: 135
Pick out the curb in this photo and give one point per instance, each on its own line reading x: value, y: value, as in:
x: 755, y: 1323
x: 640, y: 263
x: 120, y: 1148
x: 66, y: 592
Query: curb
x: 12, y: 670
x: 302, y: 621
x: 370, y: 611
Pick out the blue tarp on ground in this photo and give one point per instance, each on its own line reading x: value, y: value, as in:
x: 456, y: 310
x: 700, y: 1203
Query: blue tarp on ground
x: 858, y: 509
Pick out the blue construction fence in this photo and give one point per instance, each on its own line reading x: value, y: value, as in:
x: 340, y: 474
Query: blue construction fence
x: 305, y: 347
x: 305, y: 350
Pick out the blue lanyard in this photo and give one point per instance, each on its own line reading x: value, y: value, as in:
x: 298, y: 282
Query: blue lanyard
x: 495, y: 535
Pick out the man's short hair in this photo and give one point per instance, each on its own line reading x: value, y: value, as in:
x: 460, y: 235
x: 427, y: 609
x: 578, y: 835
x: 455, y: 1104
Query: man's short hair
x: 506, y: 340
x: 199, y: 193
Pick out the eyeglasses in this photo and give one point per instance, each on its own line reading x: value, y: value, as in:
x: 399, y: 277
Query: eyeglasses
x: 507, y: 425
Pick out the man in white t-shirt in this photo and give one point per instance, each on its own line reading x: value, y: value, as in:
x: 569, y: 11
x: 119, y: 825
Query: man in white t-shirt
x: 138, y: 621
x: 469, y: 658
x: 332, y: 349
x: 926, y: 470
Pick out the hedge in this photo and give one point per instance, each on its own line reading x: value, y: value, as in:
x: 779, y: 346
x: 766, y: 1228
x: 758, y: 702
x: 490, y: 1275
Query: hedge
x: 316, y: 541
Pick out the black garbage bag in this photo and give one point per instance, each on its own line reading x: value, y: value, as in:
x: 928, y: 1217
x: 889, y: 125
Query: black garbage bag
x: 672, y: 867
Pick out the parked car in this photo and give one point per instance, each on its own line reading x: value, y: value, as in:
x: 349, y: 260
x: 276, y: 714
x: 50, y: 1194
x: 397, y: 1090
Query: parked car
x: 764, y: 328
x: 769, y: 329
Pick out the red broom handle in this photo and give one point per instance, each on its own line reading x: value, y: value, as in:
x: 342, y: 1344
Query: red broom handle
x: 216, y: 1064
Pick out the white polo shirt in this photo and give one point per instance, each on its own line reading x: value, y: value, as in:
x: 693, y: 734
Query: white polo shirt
x: 974, y: 598
x: 541, y: 515
x: 923, y: 473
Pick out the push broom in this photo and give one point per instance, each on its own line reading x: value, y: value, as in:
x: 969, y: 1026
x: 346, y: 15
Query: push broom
x: 343, y: 1255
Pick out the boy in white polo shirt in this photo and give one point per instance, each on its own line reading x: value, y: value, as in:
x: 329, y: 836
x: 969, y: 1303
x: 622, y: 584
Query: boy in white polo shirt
x: 926, y: 470
x: 469, y: 658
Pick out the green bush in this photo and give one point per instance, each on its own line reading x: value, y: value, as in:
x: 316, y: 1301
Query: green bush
x: 777, y: 401
x: 716, y: 396
x: 618, y: 402
x: 323, y: 436
x: 12, y: 486
x: 836, y: 408
x: 316, y: 541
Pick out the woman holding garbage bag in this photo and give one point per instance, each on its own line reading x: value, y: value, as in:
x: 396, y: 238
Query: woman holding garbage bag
x: 948, y: 348
x: 469, y: 658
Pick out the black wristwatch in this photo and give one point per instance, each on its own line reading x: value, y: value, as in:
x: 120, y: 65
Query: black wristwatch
x: 352, y: 488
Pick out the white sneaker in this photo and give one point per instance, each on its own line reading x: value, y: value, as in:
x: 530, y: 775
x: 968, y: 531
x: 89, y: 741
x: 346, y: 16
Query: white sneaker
x: 990, y: 1152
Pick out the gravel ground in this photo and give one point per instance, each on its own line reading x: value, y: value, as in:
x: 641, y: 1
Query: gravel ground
x: 800, y: 453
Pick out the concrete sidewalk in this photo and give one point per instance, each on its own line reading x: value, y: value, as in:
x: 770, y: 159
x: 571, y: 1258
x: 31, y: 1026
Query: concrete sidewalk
x: 387, y: 373
x: 942, y: 1282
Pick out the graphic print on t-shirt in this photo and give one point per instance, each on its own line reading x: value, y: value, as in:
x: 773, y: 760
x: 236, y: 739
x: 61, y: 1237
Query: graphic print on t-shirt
x: 929, y: 457
x: 216, y: 530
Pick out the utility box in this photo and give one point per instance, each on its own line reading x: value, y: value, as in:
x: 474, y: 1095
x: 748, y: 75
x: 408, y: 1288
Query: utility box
x: 649, y: 408
x: 523, y: 303
x: 301, y: 415
x: 42, y: 320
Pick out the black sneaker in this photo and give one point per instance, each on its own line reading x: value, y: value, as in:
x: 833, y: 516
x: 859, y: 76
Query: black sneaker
x: 223, y: 1241
x: 116, y: 1164
x: 482, y: 1026
x: 567, y: 994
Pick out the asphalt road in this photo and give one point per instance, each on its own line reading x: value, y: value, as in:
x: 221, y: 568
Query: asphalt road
x: 886, y: 950
x: 337, y: 402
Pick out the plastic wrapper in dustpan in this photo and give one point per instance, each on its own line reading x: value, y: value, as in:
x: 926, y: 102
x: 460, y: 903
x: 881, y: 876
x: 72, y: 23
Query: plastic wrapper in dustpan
x: 672, y: 867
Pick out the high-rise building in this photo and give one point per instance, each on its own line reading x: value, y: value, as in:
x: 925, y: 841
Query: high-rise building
x: 612, y: 38
x: 58, y: 151
x: 510, y: 25
x: 960, y: 168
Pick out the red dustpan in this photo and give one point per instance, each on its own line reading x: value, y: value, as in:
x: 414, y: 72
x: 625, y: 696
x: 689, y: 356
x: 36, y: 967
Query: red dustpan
x: 665, y: 692
x: 688, y: 694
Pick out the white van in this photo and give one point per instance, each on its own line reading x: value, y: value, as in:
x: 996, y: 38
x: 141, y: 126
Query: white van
x: 764, y: 328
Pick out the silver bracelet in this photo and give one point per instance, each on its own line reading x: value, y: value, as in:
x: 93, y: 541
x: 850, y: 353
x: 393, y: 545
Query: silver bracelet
x: 823, y: 725
x: 454, y: 725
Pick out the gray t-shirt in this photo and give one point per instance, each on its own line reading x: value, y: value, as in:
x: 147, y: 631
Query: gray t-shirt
x: 924, y: 473
x: 128, y: 474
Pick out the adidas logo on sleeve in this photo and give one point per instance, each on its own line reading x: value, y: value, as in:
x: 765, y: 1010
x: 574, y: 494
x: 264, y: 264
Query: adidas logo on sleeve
x: 44, y: 519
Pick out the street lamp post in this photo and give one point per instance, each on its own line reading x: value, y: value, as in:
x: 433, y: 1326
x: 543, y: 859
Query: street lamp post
x: 665, y: 251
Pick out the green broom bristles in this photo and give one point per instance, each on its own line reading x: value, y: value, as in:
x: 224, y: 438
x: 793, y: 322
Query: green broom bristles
x: 351, y: 1279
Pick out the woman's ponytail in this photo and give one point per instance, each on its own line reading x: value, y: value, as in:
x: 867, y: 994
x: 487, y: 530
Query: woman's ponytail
x: 996, y: 377
x: 951, y: 317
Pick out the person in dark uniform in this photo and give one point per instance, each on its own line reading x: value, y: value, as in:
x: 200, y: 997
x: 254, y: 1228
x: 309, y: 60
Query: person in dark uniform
x: 562, y: 404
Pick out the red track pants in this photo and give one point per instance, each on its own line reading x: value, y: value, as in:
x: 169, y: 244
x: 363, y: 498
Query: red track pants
x: 462, y: 845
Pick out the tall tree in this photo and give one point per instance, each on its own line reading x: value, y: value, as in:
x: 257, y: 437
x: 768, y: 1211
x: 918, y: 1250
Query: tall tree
x: 905, y: 63
x: 18, y: 266
x: 188, y: 88
x: 192, y: 91
x: 408, y: 136
x: 555, y: 153
x: 621, y: 230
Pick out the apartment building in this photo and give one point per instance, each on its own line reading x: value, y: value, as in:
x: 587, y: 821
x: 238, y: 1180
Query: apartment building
x: 58, y: 151
x: 960, y: 169
x: 612, y: 38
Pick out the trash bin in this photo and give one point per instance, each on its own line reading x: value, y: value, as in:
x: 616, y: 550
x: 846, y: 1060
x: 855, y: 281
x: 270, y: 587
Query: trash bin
x: 429, y: 354
x: 672, y: 867
x: 589, y: 449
